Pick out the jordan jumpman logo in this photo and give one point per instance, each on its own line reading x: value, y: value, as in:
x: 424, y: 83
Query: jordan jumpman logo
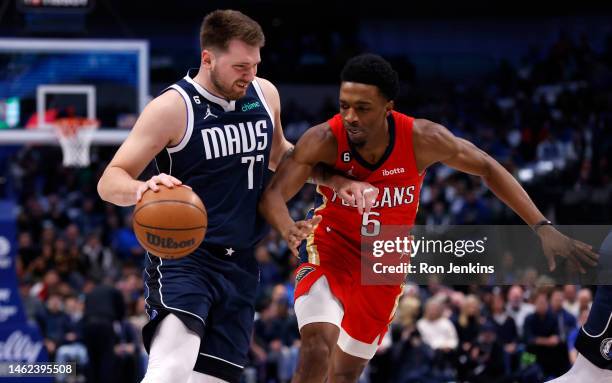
x: 209, y: 113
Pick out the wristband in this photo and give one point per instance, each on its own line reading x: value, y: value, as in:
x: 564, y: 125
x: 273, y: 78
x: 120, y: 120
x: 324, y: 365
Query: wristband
x: 538, y: 225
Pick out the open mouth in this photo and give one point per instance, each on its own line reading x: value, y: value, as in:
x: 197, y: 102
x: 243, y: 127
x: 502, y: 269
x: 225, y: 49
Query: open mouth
x: 353, y: 131
x: 242, y: 84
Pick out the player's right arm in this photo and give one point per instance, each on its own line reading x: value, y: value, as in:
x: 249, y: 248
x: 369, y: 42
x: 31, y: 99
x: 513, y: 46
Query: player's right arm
x: 317, y: 145
x: 162, y: 123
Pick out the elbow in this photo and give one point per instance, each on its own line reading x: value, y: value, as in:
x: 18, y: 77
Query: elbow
x: 101, y: 190
x: 489, y: 167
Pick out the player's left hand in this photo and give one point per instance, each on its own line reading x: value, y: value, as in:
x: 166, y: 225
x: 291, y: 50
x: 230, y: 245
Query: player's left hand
x: 361, y: 194
x: 555, y: 244
x: 299, y: 231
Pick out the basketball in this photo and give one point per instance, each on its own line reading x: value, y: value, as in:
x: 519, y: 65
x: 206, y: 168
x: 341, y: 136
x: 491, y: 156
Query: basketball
x: 171, y: 222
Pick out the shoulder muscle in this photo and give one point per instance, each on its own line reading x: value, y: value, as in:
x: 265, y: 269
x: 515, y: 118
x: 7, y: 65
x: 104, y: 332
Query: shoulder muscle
x: 318, y: 144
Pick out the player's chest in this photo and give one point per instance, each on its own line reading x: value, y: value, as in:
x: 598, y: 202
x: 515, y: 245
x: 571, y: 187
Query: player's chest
x: 232, y: 135
x: 393, y: 170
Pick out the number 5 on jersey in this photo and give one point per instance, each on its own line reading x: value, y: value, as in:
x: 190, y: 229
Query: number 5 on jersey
x: 370, y: 227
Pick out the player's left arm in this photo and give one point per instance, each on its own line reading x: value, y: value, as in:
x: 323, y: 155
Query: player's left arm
x: 280, y: 145
x: 434, y: 143
x: 350, y: 190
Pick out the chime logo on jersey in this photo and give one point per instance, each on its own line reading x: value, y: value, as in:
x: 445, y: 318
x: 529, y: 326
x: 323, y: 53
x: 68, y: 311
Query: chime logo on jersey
x: 235, y: 139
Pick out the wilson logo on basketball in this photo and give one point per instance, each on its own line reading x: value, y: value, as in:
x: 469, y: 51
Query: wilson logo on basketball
x: 168, y: 243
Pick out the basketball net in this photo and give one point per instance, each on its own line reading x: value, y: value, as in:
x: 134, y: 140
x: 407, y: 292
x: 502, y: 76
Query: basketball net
x: 75, y: 135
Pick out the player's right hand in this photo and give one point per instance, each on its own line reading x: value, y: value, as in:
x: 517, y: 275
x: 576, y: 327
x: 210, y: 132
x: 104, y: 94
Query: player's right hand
x: 555, y: 244
x: 299, y: 231
x: 151, y: 183
x: 358, y: 193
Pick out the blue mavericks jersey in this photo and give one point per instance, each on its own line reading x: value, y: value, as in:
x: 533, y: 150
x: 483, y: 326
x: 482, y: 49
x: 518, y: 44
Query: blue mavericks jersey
x: 224, y: 157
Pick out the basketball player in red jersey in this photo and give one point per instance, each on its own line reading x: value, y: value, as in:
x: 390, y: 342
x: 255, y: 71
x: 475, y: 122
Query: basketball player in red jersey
x: 342, y: 321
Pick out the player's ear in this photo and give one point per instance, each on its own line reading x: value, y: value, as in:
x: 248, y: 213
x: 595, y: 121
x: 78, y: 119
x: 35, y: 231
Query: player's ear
x: 207, y: 58
x: 390, y: 105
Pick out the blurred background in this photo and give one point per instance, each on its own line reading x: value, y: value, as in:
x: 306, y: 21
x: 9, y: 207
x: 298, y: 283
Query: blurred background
x: 531, y: 87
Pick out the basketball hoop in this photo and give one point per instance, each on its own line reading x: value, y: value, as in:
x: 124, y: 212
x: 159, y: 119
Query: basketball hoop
x: 75, y: 135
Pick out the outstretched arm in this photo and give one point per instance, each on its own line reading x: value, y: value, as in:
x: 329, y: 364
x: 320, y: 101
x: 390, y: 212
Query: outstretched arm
x: 434, y: 143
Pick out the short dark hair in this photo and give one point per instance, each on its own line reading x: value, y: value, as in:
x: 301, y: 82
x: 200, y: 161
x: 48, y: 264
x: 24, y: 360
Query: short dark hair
x: 223, y: 25
x: 374, y: 70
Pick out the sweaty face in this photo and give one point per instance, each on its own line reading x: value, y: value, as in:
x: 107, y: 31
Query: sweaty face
x: 363, y: 109
x: 233, y: 70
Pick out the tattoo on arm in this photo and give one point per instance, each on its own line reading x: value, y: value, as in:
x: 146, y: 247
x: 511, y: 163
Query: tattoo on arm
x: 287, y: 153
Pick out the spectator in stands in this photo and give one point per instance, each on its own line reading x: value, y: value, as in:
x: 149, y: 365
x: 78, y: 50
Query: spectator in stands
x: 32, y: 306
x: 585, y: 299
x: 467, y: 322
x: 517, y: 308
x: 485, y: 362
x: 26, y: 250
x: 89, y: 220
x: 543, y: 338
x: 98, y: 260
x: 49, y: 283
x: 53, y: 323
x: 570, y: 301
x: 565, y: 321
x: 73, y: 349
x: 440, y: 335
x: 505, y: 329
x: 104, y: 307
x: 126, y: 351
x: 407, y: 358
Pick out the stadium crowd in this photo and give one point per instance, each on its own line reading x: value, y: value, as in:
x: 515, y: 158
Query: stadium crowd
x: 548, y: 121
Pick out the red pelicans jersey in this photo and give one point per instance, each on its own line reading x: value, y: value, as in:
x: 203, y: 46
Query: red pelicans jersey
x: 336, y: 242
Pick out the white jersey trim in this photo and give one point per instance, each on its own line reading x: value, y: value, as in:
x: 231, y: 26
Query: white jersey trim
x: 189, y: 128
x: 263, y: 100
x: 221, y: 359
x: 228, y: 106
x: 318, y: 305
x: 356, y: 347
x: 161, y: 297
x: 601, y: 333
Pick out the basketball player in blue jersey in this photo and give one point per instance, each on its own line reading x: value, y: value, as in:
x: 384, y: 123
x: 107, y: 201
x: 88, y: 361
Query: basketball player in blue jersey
x: 594, y: 341
x: 217, y: 130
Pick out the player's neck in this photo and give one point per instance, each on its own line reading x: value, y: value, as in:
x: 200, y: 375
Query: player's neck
x: 376, y: 145
x: 203, y: 79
